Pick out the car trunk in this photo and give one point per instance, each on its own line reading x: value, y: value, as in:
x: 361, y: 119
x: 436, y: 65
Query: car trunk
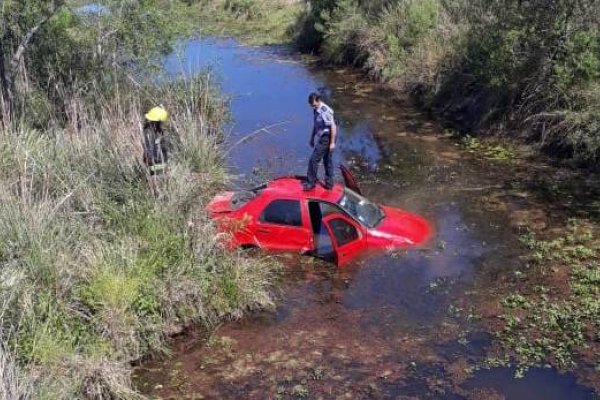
x: 221, y: 204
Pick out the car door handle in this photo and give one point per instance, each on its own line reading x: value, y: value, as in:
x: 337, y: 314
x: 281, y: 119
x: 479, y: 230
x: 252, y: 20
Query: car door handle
x: 264, y: 230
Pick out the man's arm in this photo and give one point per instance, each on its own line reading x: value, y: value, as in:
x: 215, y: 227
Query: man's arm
x: 330, y: 123
x: 333, y: 136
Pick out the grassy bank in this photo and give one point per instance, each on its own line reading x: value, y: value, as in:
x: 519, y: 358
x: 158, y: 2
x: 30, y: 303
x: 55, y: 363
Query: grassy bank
x: 97, y: 268
x: 255, y: 22
x: 100, y: 262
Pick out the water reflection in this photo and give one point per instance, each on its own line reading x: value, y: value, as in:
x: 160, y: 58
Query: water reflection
x: 269, y: 91
x: 538, y: 384
x: 93, y: 9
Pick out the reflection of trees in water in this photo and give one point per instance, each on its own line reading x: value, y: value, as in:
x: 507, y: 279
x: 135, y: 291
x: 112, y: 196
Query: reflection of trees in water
x: 357, y: 145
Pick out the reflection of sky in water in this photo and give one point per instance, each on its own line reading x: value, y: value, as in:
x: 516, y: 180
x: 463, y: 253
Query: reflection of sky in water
x: 268, y: 91
x: 538, y: 384
x: 92, y: 9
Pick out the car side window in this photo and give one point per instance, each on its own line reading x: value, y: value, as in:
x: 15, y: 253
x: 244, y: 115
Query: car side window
x: 321, y: 209
x: 328, y: 209
x: 282, y: 212
x: 343, y: 232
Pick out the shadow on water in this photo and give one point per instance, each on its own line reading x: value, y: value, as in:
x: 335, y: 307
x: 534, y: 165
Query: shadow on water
x: 387, y: 326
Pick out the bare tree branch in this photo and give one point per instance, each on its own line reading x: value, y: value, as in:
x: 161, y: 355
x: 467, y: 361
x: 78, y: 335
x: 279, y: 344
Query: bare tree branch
x: 26, y: 41
x: 9, y: 74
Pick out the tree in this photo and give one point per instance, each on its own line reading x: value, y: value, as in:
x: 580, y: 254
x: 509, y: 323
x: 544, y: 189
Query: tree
x: 61, y: 51
x: 21, y: 22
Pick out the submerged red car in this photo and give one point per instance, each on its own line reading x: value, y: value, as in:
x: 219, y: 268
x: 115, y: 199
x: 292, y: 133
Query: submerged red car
x: 337, y: 224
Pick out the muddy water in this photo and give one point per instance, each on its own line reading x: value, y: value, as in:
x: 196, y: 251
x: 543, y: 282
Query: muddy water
x: 385, y: 327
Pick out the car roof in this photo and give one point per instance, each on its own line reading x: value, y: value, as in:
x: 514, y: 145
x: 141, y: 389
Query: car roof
x: 291, y: 186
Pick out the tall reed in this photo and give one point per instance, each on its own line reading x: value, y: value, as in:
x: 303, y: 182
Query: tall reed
x: 100, y: 261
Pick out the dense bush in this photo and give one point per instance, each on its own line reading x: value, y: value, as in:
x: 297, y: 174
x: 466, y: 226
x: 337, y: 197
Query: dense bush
x: 73, y: 54
x: 531, y: 66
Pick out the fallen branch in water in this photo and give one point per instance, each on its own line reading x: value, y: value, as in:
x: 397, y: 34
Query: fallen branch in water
x: 478, y: 189
x: 258, y: 132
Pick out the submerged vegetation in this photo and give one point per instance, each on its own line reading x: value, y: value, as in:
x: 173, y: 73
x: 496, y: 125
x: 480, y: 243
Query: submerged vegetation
x: 495, y: 152
x: 101, y: 262
x: 552, y: 316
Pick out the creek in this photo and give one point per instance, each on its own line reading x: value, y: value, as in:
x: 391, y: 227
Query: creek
x: 386, y: 327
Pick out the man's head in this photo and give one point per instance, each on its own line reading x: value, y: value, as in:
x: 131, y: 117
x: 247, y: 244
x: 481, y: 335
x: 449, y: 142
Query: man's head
x: 314, y: 100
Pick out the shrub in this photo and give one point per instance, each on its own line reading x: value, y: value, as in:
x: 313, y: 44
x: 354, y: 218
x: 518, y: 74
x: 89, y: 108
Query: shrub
x: 345, y: 34
x: 244, y: 8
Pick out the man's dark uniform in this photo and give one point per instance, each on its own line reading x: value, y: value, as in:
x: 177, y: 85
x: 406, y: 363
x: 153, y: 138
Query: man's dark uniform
x: 155, y: 148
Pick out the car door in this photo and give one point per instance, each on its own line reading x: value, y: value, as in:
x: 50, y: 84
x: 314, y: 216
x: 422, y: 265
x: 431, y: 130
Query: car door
x: 350, y: 180
x: 281, y: 226
x: 349, y: 238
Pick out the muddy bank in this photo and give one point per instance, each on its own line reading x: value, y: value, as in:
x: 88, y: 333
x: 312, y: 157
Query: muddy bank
x: 401, y: 325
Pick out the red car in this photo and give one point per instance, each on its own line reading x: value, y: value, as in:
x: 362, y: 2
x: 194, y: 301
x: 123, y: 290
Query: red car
x: 337, y: 224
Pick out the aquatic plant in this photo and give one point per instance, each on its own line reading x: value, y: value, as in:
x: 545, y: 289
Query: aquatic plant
x: 553, y: 322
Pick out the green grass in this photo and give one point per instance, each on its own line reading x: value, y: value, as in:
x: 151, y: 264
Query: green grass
x: 255, y: 22
x: 99, y: 262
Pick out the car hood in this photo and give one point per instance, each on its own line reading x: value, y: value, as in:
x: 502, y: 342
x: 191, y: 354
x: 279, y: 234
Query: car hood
x: 402, y: 228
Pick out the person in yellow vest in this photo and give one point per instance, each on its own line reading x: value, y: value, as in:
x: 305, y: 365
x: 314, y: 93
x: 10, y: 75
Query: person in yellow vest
x: 155, y: 143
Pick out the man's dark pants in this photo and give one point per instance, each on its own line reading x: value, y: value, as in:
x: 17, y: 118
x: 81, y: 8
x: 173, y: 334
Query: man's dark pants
x: 321, y: 152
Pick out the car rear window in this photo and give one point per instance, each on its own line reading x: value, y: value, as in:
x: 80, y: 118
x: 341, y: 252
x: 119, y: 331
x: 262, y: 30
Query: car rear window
x: 282, y: 212
x: 240, y: 199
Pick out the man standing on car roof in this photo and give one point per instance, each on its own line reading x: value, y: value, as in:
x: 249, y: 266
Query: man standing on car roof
x: 322, y: 140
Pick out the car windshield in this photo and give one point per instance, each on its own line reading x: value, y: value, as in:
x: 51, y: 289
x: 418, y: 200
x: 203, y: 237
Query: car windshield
x: 367, y: 212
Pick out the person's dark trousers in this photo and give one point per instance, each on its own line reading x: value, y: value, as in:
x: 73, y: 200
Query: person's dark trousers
x: 321, y: 152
